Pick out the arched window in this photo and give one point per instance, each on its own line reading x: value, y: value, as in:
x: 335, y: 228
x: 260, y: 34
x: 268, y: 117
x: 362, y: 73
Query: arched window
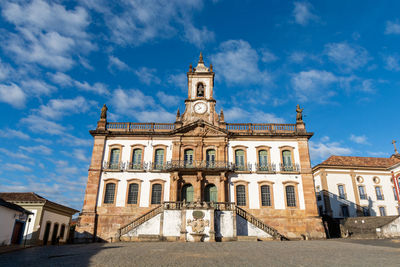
x: 265, y: 195
x: 62, y: 231
x: 156, y: 191
x: 210, y: 193
x: 187, y: 193
x: 114, y: 158
x: 240, y: 195
x: 287, y: 158
x: 239, y: 159
x: 200, y: 90
x: 188, y: 157
x: 263, y: 160
x: 137, y: 158
x: 109, y: 194
x: 133, y: 192
x: 290, y: 196
x: 210, y: 157
x: 159, y: 159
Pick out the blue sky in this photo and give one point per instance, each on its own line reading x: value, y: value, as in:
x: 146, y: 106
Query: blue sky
x: 61, y: 60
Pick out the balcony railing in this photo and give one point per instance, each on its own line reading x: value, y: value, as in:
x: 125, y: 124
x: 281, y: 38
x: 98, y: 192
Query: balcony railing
x: 271, y: 168
x: 158, y: 166
x: 289, y: 168
x: 242, y: 168
x: 199, y: 164
x: 363, y: 196
x: 261, y: 127
x: 134, y: 166
x: 114, y: 166
x: 139, y: 127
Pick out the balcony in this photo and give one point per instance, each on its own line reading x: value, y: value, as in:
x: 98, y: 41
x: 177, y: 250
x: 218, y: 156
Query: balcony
x: 242, y: 168
x: 199, y: 165
x: 159, y: 167
x: 266, y: 168
x: 295, y: 168
x: 133, y: 166
x: 113, y: 166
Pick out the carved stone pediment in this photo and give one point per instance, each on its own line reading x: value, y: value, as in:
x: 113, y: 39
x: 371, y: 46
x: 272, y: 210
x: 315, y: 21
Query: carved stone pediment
x: 200, y: 128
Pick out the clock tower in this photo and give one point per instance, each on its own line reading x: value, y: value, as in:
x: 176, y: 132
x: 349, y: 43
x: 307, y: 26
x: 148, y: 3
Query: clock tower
x: 200, y: 103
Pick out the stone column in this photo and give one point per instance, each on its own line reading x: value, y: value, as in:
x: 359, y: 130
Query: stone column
x: 212, y: 226
x: 222, y: 188
x: 86, y: 227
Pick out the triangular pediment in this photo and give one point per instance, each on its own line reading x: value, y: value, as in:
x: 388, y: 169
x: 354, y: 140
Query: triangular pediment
x: 200, y: 128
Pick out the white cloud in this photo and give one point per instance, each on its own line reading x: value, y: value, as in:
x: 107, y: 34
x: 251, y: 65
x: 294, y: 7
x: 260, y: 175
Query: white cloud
x: 41, y: 125
x: 300, y: 57
x: 348, y: 57
x: 47, y: 33
x: 392, y: 62
x: 114, y: 62
x: 37, y: 87
x: 179, y: 80
x: 5, y: 70
x: 11, y: 133
x: 237, y: 63
x: 14, y: 154
x: 392, y: 27
x: 16, y: 167
x: 362, y: 139
x: 12, y: 94
x: 128, y: 101
x: 237, y: 114
x: 57, y: 108
x: 303, y: 14
x: 268, y: 56
x: 70, y: 140
x: 155, y: 116
x: 196, y: 36
x: 313, y: 84
x: 147, y: 75
x: 321, y: 150
x: 61, y: 79
x: 98, y: 88
x: 39, y: 149
x: 168, y: 100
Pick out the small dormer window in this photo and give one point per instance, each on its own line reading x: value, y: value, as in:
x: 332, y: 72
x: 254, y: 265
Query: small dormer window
x: 200, y: 90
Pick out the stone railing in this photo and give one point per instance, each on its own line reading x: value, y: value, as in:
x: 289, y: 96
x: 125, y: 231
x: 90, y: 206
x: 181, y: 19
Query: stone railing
x: 199, y: 165
x: 139, y: 127
x: 261, y: 127
x: 180, y: 205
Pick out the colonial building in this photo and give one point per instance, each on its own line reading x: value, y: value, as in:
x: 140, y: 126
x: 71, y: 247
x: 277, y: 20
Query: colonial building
x: 358, y: 186
x: 47, y: 222
x: 234, y: 179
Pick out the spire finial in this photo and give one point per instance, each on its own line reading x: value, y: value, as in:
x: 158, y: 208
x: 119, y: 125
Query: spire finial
x: 201, y: 58
x: 178, y: 115
x: 221, y: 116
x: 395, y: 148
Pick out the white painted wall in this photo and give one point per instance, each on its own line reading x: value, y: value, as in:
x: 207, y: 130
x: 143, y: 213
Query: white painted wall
x: 224, y: 224
x: 150, y: 227
x: 7, y: 221
x: 54, y: 218
x: 172, y: 223
x: 30, y: 225
x: 245, y: 228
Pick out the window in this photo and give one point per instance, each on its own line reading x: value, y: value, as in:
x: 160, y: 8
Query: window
x: 265, y: 195
x: 62, y: 231
x: 361, y: 190
x: 263, y: 160
x: 382, y: 211
x: 342, y: 194
x: 109, y: 194
x: 137, y: 158
x: 239, y: 159
x: 290, y: 196
x: 241, y: 195
x: 210, y: 157
x: 114, y: 158
x: 200, y: 90
x: 133, y: 192
x: 159, y: 159
x: 156, y: 191
x: 394, y: 193
x: 378, y: 192
x: 287, y: 158
x: 345, y: 210
x: 188, y: 157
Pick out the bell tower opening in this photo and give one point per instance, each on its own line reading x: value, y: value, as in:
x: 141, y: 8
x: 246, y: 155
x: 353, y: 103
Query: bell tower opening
x: 200, y: 90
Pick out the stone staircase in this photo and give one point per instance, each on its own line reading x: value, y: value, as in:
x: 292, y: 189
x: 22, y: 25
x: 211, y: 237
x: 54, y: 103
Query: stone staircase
x: 216, y: 206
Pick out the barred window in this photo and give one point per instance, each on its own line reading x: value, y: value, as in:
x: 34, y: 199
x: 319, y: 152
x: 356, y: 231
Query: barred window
x: 156, y: 191
x: 188, y: 157
x: 287, y: 158
x: 290, y: 196
x: 361, y: 190
x: 133, y: 192
x: 136, y: 158
x: 159, y: 158
x: 265, y: 195
x: 378, y: 191
x: 210, y: 157
x: 110, y: 193
x: 114, y: 158
x: 263, y: 158
x: 239, y: 159
x: 382, y: 211
x: 241, y: 195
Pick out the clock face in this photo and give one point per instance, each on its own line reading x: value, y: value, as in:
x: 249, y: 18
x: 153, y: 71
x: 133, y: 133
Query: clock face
x: 200, y: 108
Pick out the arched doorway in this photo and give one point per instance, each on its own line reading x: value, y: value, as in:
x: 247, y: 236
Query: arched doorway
x: 187, y: 193
x: 210, y: 193
x: 46, y: 233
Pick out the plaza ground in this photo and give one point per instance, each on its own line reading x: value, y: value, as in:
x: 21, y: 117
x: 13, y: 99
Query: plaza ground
x: 275, y: 253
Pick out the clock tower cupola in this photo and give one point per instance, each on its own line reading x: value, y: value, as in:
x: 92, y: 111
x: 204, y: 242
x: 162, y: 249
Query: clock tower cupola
x: 200, y: 103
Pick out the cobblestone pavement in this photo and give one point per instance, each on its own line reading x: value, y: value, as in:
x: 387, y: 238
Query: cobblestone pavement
x: 274, y: 253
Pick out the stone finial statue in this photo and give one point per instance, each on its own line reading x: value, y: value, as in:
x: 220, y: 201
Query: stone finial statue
x: 103, y: 114
x: 299, y: 116
x: 211, y: 67
x: 201, y: 58
x: 178, y: 115
x: 190, y: 68
x: 221, y: 116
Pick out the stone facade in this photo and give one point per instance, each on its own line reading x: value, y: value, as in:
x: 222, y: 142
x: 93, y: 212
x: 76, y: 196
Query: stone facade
x: 263, y: 168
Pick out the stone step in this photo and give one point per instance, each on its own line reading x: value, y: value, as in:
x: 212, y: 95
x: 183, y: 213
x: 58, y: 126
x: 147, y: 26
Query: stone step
x: 246, y: 238
x: 149, y: 238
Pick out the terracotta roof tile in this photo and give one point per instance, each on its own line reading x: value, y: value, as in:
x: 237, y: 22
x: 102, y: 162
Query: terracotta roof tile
x: 348, y: 161
x: 24, y: 196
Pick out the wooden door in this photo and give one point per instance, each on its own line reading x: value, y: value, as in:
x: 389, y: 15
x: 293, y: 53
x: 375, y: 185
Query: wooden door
x: 17, y: 232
